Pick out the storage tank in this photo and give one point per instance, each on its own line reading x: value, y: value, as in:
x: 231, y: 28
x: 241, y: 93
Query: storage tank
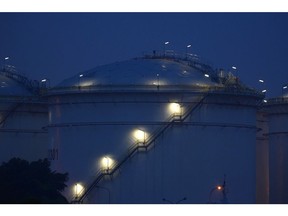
x: 277, y: 118
x: 163, y: 128
x: 262, y: 156
x: 23, y: 116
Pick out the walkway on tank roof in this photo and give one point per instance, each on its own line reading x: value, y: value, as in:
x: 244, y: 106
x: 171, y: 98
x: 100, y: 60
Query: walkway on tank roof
x: 190, y: 59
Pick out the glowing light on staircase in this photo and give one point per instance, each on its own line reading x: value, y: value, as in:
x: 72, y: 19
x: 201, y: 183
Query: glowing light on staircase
x: 78, y: 189
x: 107, y: 162
x: 175, y: 108
x: 139, y: 135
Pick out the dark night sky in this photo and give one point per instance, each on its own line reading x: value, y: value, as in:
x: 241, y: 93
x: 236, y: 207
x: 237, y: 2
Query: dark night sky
x: 59, y: 45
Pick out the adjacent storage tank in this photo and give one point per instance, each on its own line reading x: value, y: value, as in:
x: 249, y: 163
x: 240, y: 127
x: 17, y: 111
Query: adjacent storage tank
x: 277, y: 118
x: 262, y: 156
x: 153, y: 130
x: 23, y: 116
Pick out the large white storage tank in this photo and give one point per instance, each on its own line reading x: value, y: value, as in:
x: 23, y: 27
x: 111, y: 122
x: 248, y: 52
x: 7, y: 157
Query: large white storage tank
x: 153, y: 130
x: 277, y: 117
x: 23, y: 116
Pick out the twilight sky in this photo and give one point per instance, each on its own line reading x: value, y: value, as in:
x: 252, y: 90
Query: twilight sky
x: 59, y: 45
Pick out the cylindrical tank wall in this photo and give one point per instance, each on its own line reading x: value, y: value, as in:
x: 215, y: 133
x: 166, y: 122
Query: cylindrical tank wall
x: 188, y: 161
x: 262, y: 159
x: 217, y: 139
x: 278, y: 153
x: 21, y: 131
x: 98, y: 125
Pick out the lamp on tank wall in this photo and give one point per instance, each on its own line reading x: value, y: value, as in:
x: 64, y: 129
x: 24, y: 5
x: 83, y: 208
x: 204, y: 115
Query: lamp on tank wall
x: 107, y: 163
x: 140, y: 136
x: 78, y: 190
x: 175, y: 108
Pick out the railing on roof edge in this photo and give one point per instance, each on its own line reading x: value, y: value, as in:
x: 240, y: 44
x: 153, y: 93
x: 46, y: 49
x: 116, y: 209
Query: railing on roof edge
x: 162, y: 88
x: 278, y: 100
x: 31, y: 85
x: 172, y: 55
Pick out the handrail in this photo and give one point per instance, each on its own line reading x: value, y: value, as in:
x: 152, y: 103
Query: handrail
x: 278, y: 100
x: 192, y: 59
x: 192, y: 108
x: 31, y: 85
x: 152, y: 138
x: 11, y: 110
x: 220, y: 89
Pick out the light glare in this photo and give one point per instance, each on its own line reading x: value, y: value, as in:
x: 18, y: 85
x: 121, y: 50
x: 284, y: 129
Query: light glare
x: 175, y: 108
x: 106, y: 163
x: 260, y: 80
x: 139, y: 135
x: 78, y: 189
x: 206, y: 75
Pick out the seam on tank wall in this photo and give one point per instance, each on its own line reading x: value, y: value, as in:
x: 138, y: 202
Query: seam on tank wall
x: 200, y: 124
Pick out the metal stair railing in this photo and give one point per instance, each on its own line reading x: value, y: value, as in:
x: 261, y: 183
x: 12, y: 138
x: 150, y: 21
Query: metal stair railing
x: 32, y: 85
x: 174, y: 118
x: 193, y: 107
x: 10, y: 111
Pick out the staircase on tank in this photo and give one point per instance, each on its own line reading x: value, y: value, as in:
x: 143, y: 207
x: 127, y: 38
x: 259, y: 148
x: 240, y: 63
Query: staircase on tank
x: 172, y: 120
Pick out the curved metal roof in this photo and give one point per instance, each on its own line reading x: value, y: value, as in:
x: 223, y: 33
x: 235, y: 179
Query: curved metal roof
x: 142, y: 71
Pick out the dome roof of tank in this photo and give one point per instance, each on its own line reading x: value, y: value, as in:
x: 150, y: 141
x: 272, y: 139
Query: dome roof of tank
x: 12, y: 85
x: 143, y: 71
